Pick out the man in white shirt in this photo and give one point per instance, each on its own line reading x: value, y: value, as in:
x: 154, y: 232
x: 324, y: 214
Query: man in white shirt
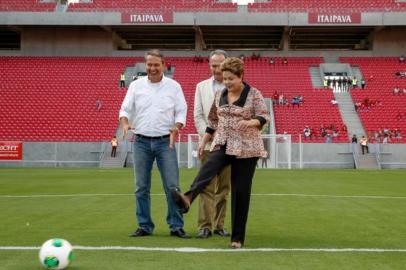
x: 213, y: 200
x: 155, y: 109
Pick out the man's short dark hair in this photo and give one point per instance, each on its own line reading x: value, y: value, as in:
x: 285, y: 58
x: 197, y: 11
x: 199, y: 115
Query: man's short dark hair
x: 156, y: 53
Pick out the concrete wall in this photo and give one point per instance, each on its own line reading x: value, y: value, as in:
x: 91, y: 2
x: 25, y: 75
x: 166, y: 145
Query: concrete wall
x: 88, y: 34
x: 319, y: 155
x: 389, y: 41
x: 315, y: 155
x: 392, y: 156
x: 66, y: 41
x: 241, y: 17
x: 69, y: 154
x: 95, y: 41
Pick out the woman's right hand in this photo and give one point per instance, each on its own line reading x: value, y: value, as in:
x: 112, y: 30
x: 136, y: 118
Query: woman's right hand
x: 206, y: 138
x: 201, y: 150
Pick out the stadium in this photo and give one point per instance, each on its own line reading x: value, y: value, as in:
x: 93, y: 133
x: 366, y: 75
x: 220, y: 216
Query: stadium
x: 328, y: 70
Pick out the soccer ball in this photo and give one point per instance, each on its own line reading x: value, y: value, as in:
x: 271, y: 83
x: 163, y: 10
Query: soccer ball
x: 56, y: 254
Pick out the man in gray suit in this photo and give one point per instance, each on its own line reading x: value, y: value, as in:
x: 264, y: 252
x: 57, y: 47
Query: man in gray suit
x: 213, y: 200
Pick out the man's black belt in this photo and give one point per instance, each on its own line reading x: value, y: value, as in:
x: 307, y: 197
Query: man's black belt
x: 152, y: 138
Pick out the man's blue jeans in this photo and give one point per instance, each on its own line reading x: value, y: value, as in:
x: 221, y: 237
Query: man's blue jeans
x: 145, y: 152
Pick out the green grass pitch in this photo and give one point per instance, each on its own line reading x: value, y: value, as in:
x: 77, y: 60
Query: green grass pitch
x: 290, y: 210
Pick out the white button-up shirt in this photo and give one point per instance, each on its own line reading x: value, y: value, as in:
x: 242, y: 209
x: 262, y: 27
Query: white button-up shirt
x: 153, y: 108
x: 217, y: 86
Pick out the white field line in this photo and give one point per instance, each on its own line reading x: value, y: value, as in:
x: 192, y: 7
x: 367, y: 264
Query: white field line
x: 254, y: 194
x: 201, y: 250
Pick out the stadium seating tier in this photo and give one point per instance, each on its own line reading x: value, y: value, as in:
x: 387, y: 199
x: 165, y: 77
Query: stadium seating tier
x: 54, y: 98
x: 210, y: 5
x: 379, y: 73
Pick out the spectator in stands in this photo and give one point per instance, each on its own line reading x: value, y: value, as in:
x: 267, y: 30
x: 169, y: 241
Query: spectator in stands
x: 396, y: 90
x: 226, y: 123
x: 114, y: 144
x: 354, y: 82
x: 285, y: 61
x: 98, y: 104
x: 281, y: 99
x: 400, y: 74
x: 322, y: 131
x: 358, y: 106
x: 213, y: 199
x: 329, y: 135
x: 160, y: 114
x: 295, y: 101
x: 168, y: 66
x: 325, y: 83
x: 364, y: 145
x: 386, y: 139
x: 354, y: 143
x: 404, y: 91
x: 285, y: 101
x: 275, y: 97
x: 242, y: 57
x: 307, y: 133
x: 334, y: 102
x: 271, y: 61
x: 366, y: 104
x: 397, y: 134
x: 344, y: 128
x: 348, y: 83
x: 198, y: 59
x: 363, y: 83
x: 122, y: 80
x: 402, y: 59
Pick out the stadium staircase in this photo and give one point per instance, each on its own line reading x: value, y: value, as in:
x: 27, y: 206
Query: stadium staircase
x: 367, y: 161
x: 354, y: 126
x: 349, y: 115
x: 317, y: 81
x: 119, y: 161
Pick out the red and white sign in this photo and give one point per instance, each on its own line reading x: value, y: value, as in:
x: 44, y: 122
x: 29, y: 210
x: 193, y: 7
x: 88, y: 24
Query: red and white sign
x: 11, y: 150
x: 147, y: 18
x: 321, y: 18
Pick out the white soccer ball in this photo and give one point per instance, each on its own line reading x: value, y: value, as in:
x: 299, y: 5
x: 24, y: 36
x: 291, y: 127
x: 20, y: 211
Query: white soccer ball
x: 56, y: 254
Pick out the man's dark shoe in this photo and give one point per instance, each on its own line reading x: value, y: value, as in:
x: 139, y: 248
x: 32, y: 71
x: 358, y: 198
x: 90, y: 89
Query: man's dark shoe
x: 221, y: 232
x: 204, y: 233
x: 180, y: 233
x: 181, y: 201
x: 139, y: 232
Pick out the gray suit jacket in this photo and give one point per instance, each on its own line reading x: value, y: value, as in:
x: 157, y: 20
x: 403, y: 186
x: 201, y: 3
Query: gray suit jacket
x: 204, y: 98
